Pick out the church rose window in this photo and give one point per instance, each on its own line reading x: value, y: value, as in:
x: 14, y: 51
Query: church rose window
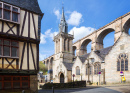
x: 9, y: 12
x: 77, y: 70
x: 122, y: 62
x: 8, y: 48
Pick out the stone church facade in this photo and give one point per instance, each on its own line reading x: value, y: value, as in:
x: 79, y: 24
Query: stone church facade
x: 108, y: 62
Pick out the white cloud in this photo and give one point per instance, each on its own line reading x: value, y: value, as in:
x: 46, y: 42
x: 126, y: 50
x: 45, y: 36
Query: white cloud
x: 47, y: 34
x: 42, y: 56
x: 57, y: 13
x: 75, y: 18
x: 43, y: 41
x: 81, y: 32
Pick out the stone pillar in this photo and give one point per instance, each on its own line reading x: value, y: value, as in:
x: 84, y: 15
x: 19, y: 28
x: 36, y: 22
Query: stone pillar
x: 34, y: 83
x: 66, y: 45
x: 70, y: 46
x: 117, y: 35
x: 96, y: 46
x: 83, y: 51
x: 61, y: 44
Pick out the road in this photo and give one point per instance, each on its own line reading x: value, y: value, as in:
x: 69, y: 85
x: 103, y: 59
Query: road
x: 110, y: 89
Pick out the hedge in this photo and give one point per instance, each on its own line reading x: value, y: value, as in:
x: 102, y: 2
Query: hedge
x: 77, y: 84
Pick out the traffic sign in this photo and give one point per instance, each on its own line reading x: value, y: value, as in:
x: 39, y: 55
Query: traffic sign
x: 121, y: 73
x: 99, y: 72
x: 73, y: 75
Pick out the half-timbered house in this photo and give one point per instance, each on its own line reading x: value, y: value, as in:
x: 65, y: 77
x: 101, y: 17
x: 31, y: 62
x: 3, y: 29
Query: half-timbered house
x: 20, y: 22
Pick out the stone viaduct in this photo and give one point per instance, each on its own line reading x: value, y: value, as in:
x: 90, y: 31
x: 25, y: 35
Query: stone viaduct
x: 49, y: 62
x: 118, y: 25
x: 96, y: 38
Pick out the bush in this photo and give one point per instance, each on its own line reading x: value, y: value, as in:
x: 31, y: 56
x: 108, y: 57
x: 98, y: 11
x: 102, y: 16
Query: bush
x: 77, y: 84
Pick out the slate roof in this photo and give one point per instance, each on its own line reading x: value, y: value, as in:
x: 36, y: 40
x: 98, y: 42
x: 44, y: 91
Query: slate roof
x: 31, y: 5
x: 84, y: 57
x: 68, y: 65
x: 103, y: 52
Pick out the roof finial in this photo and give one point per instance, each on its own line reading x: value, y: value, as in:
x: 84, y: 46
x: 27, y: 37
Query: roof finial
x: 63, y: 17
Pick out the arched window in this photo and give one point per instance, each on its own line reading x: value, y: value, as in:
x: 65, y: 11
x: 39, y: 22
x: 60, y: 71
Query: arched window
x: 90, y: 70
x: 122, y: 62
x: 77, y: 70
x: 97, y: 68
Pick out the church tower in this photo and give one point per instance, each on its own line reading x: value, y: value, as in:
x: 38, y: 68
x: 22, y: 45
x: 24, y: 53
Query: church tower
x: 63, y: 42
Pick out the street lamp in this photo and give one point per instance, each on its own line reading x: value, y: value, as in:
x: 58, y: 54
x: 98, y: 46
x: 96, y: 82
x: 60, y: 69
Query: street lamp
x: 46, y: 78
x: 73, y: 80
x: 81, y: 76
x: 88, y: 71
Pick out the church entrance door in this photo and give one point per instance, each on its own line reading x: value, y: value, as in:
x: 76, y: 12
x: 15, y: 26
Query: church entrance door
x: 62, y: 78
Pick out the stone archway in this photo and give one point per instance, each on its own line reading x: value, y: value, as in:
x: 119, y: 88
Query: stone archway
x: 127, y: 26
x: 62, y: 78
x: 84, y: 46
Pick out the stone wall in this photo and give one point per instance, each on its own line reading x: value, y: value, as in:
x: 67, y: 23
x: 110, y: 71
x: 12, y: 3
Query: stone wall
x: 33, y: 83
x: 112, y: 75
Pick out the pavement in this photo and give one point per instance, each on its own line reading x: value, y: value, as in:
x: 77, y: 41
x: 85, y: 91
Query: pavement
x: 115, y: 88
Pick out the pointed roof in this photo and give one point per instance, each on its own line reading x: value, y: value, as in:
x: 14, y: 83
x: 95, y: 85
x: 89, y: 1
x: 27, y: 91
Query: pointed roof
x: 68, y: 65
x: 101, y: 53
x: 63, y: 16
x: 30, y: 5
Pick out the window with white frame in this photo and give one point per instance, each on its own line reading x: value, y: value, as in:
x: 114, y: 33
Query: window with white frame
x: 9, y: 12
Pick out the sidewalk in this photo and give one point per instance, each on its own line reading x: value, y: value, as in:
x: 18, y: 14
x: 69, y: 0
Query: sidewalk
x: 110, y: 85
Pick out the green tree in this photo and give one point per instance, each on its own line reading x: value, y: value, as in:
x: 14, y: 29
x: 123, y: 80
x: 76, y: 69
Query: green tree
x: 42, y: 68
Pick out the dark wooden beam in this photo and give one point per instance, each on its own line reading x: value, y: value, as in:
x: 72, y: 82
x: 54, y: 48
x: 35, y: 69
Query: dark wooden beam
x: 10, y: 28
x: 2, y: 28
x: 18, y: 30
x: 34, y: 26
x: 17, y: 63
x: 28, y: 24
x: 23, y: 22
x: 10, y: 63
x: 28, y: 55
x: 3, y: 63
x: 20, y: 38
x: 33, y: 56
x: 22, y: 55
x: 38, y: 57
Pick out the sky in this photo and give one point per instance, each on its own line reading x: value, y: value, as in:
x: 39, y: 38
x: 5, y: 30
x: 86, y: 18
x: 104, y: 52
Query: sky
x: 83, y: 17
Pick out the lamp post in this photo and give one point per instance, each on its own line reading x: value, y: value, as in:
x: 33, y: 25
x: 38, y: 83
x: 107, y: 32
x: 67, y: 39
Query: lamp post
x: 81, y: 76
x: 88, y: 71
x: 46, y: 78
x: 73, y: 80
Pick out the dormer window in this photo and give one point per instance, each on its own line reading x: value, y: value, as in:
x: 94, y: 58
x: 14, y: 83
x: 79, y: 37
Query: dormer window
x: 9, y: 13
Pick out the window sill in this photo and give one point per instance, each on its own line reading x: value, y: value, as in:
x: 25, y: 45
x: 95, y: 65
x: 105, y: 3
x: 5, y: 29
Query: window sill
x: 9, y: 21
x: 9, y: 57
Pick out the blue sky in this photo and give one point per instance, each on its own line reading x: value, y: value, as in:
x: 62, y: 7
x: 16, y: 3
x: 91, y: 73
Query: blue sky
x: 83, y: 17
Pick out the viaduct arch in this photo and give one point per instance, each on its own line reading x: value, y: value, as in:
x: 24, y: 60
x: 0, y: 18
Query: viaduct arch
x: 118, y: 26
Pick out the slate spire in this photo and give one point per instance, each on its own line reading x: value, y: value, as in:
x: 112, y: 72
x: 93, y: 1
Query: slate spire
x: 63, y: 27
